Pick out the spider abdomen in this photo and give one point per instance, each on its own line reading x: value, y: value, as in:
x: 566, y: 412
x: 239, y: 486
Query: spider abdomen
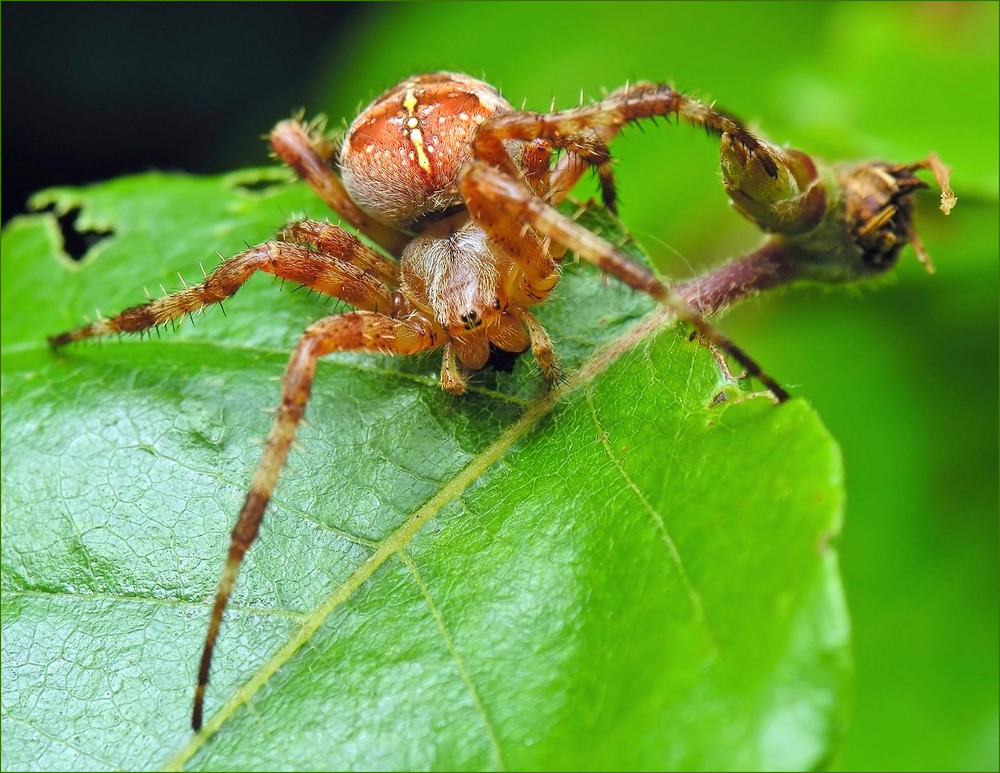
x: 402, y: 156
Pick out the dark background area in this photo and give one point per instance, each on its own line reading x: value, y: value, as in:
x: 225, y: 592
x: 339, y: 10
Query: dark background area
x: 92, y: 91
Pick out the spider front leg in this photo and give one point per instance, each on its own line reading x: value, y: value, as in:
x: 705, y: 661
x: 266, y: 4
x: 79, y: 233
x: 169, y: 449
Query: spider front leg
x: 541, y: 346
x: 355, y: 331
x: 454, y: 380
x: 493, y: 196
x: 294, y: 144
x: 586, y: 131
x: 320, y: 256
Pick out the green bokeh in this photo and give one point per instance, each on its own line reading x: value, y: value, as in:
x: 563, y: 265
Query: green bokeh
x: 904, y: 375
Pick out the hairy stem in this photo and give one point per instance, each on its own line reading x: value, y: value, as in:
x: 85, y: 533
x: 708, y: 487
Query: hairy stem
x: 769, y: 266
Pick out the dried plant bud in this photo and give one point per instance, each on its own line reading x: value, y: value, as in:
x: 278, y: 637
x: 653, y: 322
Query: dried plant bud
x: 838, y: 223
x: 878, y: 213
x: 868, y: 222
x: 791, y: 202
x: 830, y: 224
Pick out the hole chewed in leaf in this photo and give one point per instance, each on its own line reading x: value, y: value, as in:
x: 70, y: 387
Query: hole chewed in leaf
x: 77, y: 242
x: 258, y: 186
x: 257, y: 181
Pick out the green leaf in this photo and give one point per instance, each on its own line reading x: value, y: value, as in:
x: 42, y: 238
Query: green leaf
x: 624, y: 573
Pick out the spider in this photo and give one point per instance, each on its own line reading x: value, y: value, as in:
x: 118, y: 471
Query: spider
x: 460, y: 189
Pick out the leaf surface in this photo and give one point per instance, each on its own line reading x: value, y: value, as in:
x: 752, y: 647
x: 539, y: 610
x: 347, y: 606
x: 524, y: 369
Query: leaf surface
x: 620, y: 574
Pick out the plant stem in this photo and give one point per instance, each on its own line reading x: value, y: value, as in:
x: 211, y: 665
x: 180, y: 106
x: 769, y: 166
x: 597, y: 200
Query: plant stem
x: 767, y: 267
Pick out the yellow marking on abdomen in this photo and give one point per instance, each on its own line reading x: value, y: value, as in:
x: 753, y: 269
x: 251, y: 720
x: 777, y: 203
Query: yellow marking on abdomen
x: 415, y: 135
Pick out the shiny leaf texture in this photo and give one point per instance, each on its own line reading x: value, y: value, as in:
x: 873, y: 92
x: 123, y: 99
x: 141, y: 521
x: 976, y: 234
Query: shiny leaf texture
x: 623, y: 573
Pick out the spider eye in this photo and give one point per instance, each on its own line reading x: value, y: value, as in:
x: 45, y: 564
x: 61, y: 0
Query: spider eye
x: 471, y: 320
x: 496, y: 304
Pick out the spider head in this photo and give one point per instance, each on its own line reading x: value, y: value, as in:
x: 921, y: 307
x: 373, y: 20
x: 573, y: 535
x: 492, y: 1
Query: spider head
x: 402, y: 155
x: 450, y: 270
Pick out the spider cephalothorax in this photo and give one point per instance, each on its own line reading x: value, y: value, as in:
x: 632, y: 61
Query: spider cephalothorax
x: 460, y: 190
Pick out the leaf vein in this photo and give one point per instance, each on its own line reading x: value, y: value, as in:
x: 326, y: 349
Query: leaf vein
x: 655, y: 516
x: 459, y: 661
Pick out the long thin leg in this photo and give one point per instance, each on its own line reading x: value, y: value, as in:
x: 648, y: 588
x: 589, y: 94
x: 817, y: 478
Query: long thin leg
x: 539, y: 270
x: 359, y: 330
x: 453, y: 379
x: 486, y: 187
x: 328, y: 259
x: 293, y: 145
x: 586, y: 131
x: 330, y: 239
x: 541, y: 346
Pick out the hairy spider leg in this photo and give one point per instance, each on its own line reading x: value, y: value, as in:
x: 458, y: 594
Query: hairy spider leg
x: 354, y: 331
x: 541, y: 345
x: 320, y: 256
x: 492, y: 194
x: 453, y: 379
x: 330, y: 239
x: 586, y: 131
x: 535, y: 162
x: 293, y: 144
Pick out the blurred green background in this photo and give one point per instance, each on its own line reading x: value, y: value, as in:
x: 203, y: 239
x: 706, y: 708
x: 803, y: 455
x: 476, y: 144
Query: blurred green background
x: 904, y: 375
